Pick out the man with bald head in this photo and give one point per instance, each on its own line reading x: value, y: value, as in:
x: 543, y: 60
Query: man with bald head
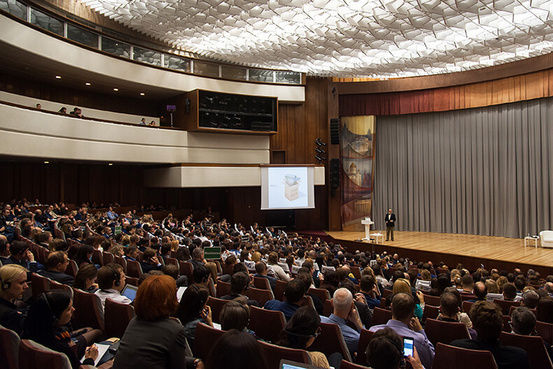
x: 344, y: 311
x: 406, y: 325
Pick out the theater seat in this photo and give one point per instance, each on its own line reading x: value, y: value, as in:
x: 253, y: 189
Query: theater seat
x: 273, y: 354
x: 450, y: 357
x: 9, y: 349
x: 33, y: 355
x: 534, y: 347
x: 266, y: 324
x: 204, y: 339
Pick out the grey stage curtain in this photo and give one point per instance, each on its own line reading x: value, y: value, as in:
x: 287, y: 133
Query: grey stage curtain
x: 486, y: 171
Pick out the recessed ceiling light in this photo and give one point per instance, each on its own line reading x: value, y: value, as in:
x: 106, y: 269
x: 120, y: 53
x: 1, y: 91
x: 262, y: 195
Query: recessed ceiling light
x: 46, y: 162
x: 110, y: 164
x: 142, y: 94
x: 115, y: 89
x: 88, y: 83
x: 58, y: 77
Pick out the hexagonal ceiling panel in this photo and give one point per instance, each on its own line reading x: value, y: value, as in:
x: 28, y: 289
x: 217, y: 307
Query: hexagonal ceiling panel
x: 346, y: 38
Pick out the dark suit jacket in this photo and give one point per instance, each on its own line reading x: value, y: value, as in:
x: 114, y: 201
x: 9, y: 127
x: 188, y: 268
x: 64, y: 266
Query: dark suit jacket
x: 392, y: 217
x: 58, y: 277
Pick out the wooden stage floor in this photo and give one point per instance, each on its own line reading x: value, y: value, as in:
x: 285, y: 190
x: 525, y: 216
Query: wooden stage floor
x: 500, y: 252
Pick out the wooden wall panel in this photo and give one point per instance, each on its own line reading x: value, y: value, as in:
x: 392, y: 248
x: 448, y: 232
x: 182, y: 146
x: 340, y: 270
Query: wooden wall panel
x: 500, y: 91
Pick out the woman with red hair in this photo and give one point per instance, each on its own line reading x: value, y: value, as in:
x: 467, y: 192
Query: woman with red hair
x: 153, y: 339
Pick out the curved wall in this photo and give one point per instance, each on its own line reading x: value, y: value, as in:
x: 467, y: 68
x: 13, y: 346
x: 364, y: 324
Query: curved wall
x: 31, y: 133
x: 61, y: 54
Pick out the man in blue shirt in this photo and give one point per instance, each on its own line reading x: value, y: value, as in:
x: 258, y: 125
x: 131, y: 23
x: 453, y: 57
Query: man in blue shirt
x: 343, y: 311
x: 403, y: 322
x: 369, y: 289
x: 295, y: 290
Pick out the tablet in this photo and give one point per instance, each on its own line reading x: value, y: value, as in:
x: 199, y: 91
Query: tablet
x: 129, y: 291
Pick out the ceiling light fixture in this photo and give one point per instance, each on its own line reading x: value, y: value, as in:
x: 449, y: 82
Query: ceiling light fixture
x: 142, y: 94
x: 58, y: 77
x: 88, y: 83
x: 115, y: 89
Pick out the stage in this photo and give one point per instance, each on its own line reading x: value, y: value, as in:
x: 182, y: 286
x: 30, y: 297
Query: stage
x: 493, y: 252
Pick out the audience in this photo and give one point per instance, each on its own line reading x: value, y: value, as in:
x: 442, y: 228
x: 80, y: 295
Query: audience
x: 294, y: 293
x: 56, y: 265
x: 111, y: 281
x: 487, y: 320
x: 193, y: 310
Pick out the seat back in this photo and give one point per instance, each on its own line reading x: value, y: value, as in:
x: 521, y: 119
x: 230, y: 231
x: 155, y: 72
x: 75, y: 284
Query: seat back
x: 223, y: 289
x: 261, y: 296
x: 186, y: 269
x: 321, y: 293
x: 261, y: 283
x: 39, y: 284
x: 97, y: 257
x: 134, y: 269
x: 331, y: 340
x: 204, y: 339
x: 381, y: 316
x: 444, y: 332
x: 72, y: 268
x: 347, y: 365
x: 467, y: 305
x: 227, y: 268
x: 328, y: 309
x: 60, y: 286
x: 121, y: 261
x: 386, y: 292
x: 430, y: 312
x: 88, y: 310
x: 9, y: 349
x: 171, y: 261
x: 432, y: 300
x: 266, y: 324
x: 107, y: 258
x: 356, y: 271
x: 280, y: 287
x: 273, y: 354
x: 216, y: 306
x: 364, y: 338
x: 545, y: 331
x: 450, y: 357
x: 505, y: 305
x: 534, y: 347
x: 33, y: 355
x: 117, y: 317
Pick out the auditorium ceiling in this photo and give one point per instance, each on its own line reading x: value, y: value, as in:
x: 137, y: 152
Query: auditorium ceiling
x: 346, y: 38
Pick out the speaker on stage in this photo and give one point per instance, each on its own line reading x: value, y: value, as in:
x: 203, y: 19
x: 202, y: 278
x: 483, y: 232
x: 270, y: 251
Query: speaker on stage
x: 334, y: 173
x: 335, y: 131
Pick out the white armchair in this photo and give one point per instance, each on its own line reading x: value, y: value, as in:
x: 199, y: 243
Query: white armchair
x: 546, y: 238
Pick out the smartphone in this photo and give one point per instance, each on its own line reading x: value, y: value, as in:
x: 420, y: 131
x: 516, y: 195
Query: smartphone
x: 408, y: 347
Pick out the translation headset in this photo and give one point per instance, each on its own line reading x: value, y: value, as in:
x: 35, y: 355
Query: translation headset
x: 116, y: 276
x: 54, y: 316
x: 5, y: 284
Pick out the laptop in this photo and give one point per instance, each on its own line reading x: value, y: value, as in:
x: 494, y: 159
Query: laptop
x: 129, y: 291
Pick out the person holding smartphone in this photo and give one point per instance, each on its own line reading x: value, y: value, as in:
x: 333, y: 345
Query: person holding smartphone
x: 387, y: 350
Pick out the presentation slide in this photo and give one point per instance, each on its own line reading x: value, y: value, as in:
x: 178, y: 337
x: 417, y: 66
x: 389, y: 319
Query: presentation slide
x: 287, y: 188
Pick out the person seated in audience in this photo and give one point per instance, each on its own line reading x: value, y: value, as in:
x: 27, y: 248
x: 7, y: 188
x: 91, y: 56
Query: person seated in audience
x: 450, y: 310
x: 344, y: 312
x: 83, y: 255
x: 236, y: 350
x: 198, y: 257
x: 369, y: 289
x: 150, y: 261
x: 523, y: 322
x: 63, y: 110
x: 86, y: 278
x: 21, y: 255
x: 152, y: 123
x: 509, y: 292
x: 544, y: 310
x: 193, y: 309
x: 153, y: 339
x: 279, y: 273
x: 77, y: 112
x: 13, y: 283
x: 530, y: 299
x: 131, y: 253
x: 330, y: 282
x: 235, y: 315
x: 385, y: 351
x: 4, y: 249
x: 111, y: 281
x: 239, y: 283
x: 142, y: 122
x: 487, y: 319
x: 467, y: 284
x: 261, y: 271
x: 403, y: 285
x: 294, y: 293
x: 480, y: 291
x: 47, y: 324
x: 305, y: 276
x: 300, y: 333
x: 406, y: 325
x: 492, y: 286
x: 56, y: 265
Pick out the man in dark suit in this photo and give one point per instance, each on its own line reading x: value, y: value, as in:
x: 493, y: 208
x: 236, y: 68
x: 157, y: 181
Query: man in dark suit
x: 390, y: 220
x: 56, y: 265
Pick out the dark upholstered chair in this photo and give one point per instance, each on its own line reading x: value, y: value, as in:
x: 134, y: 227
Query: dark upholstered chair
x: 216, y: 306
x: 88, y: 310
x: 534, y: 347
x: 9, y: 349
x: 204, y: 340
x: 381, y: 316
x: 331, y: 340
x: 273, y: 354
x: 444, y: 332
x: 117, y: 317
x: 321, y: 293
x: 450, y: 357
x: 266, y: 324
x: 33, y: 355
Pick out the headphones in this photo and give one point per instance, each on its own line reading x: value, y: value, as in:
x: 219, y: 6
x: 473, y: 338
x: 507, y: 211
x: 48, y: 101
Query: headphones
x: 54, y: 316
x: 5, y: 284
x: 400, y: 351
x: 116, y: 276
